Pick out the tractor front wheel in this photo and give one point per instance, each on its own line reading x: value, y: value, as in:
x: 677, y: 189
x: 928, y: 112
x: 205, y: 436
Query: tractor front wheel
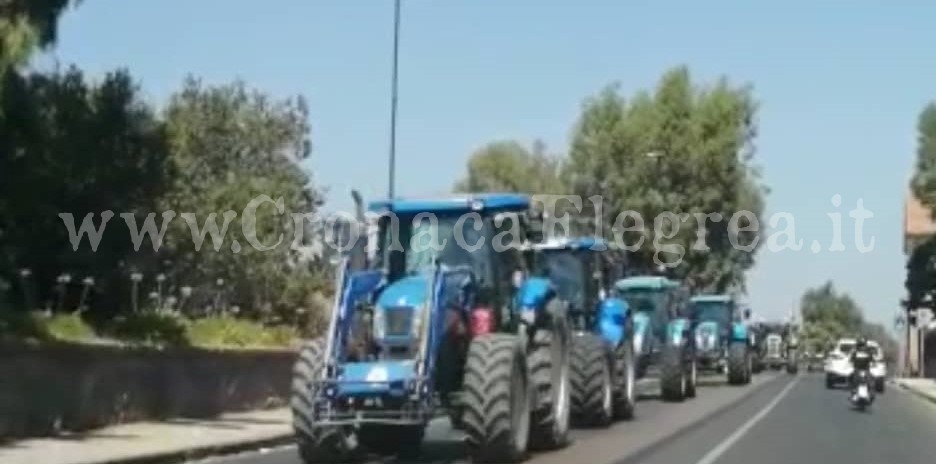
x: 738, y: 363
x: 591, y: 381
x: 672, y: 373
x: 549, y: 374
x: 316, y: 443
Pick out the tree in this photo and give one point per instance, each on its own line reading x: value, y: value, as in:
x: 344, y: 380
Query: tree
x: 923, y: 183
x: 508, y: 166
x: 67, y: 146
x: 229, y: 146
x: 921, y: 275
x: 682, y: 149
x: 829, y: 315
x: 26, y: 25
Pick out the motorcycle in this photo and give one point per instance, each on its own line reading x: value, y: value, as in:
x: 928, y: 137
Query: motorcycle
x: 862, y: 393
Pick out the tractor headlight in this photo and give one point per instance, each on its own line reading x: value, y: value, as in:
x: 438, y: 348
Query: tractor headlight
x: 528, y: 315
x: 380, y: 323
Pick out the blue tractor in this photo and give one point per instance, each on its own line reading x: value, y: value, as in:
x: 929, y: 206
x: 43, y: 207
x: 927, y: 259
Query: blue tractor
x: 723, y: 342
x: 423, y: 331
x: 602, y: 367
x: 662, y: 333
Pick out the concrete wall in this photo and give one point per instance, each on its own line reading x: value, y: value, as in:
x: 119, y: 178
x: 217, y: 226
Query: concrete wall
x: 49, y: 389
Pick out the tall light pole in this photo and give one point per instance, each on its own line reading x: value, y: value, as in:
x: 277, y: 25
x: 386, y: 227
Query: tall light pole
x: 393, y: 99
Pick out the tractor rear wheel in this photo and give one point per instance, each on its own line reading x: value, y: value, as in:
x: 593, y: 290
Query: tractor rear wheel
x: 496, y: 401
x: 316, y: 443
x: 591, y: 380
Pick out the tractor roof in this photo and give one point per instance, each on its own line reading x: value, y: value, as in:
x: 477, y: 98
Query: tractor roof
x: 570, y: 243
x: 459, y: 203
x: 646, y: 283
x: 712, y: 299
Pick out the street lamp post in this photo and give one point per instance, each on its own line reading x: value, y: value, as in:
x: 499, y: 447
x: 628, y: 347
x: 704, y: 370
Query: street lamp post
x: 393, y: 99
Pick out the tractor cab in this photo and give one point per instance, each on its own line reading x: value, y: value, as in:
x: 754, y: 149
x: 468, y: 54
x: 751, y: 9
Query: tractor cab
x: 654, y: 301
x: 661, y: 340
x: 582, y: 276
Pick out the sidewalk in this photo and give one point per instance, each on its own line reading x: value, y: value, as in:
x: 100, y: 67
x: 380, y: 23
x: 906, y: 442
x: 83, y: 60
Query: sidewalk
x: 924, y: 388
x: 172, y: 440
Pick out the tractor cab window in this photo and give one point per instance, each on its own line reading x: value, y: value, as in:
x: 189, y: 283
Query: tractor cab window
x: 411, y: 246
x: 712, y: 311
x: 567, y: 272
x: 656, y: 303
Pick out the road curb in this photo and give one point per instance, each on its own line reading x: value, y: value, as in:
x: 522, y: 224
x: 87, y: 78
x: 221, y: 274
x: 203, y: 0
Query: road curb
x: 638, y: 454
x: 202, y: 452
x: 916, y: 392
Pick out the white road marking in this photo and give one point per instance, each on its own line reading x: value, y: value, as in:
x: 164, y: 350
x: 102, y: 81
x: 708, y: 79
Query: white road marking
x: 727, y: 443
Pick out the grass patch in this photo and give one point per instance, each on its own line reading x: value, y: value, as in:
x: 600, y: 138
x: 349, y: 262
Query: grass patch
x: 226, y: 331
x: 150, y: 328
x: 37, y: 326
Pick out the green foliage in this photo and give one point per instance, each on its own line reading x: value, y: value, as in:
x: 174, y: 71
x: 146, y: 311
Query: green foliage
x: 829, y: 315
x: 508, y: 166
x: 150, y: 328
x: 67, y: 327
x: 38, y: 326
x: 67, y: 146
x: 923, y: 183
x: 227, y: 331
x: 231, y: 145
x: 921, y: 275
x: 682, y: 149
x: 25, y: 26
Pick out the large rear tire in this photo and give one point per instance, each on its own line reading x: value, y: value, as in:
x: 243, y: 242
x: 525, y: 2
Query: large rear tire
x: 496, y: 402
x: 316, y: 443
x: 672, y: 374
x: 738, y: 362
x: 591, y: 381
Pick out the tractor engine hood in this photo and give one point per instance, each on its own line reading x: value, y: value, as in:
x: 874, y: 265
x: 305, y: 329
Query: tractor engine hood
x: 401, y: 310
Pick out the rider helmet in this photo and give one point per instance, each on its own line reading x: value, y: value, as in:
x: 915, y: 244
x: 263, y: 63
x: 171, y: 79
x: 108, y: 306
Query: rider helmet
x: 861, y: 342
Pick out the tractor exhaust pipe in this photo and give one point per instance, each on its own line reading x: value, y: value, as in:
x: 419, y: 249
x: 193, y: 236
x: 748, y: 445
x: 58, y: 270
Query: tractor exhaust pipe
x: 359, y: 234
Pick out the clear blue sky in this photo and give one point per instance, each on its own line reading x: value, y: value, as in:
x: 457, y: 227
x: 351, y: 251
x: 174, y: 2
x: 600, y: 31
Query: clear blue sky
x: 840, y: 83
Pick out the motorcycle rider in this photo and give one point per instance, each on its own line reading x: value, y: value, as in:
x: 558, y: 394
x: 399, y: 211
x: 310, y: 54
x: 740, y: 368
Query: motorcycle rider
x: 861, y: 359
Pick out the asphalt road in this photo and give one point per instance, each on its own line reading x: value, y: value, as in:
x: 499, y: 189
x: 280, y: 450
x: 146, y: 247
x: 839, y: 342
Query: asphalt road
x: 655, y: 420
x: 778, y: 419
x: 800, y: 421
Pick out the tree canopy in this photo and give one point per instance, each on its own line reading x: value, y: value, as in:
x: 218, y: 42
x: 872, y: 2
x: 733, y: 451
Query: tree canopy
x: 684, y: 149
x: 508, y: 166
x: 829, y: 315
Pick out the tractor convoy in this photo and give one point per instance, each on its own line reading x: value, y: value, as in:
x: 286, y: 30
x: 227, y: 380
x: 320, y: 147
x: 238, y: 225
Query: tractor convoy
x: 513, y: 342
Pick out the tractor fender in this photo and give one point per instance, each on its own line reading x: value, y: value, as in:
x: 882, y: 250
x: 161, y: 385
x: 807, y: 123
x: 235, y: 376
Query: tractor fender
x: 613, y: 320
x: 531, y: 298
x: 676, y: 331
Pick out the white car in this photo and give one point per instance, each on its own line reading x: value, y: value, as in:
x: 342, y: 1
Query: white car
x: 838, y: 366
